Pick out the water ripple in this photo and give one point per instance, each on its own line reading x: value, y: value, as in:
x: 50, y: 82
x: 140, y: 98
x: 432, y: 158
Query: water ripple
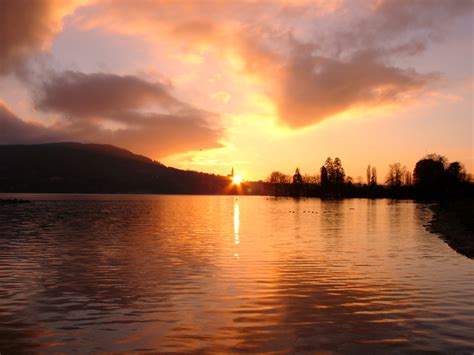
x: 188, y: 274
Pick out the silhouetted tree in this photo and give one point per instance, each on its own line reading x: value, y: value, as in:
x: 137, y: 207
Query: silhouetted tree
x: 332, y: 176
x: 339, y: 173
x: 429, y: 175
x: 279, y: 180
x: 329, y: 165
x: 455, y: 177
x: 324, y: 178
x: 297, y: 185
x: 408, y: 178
x: 395, y: 175
x: 277, y: 177
x: 317, y: 179
x: 335, y: 171
x: 373, y: 179
x: 297, y: 178
x: 437, y: 157
x: 311, y: 179
x: 369, y: 176
x: 456, y: 173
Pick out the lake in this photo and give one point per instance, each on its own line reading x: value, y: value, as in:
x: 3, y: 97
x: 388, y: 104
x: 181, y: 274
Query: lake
x: 109, y: 273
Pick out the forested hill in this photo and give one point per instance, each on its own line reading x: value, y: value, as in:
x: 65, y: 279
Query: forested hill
x: 96, y: 168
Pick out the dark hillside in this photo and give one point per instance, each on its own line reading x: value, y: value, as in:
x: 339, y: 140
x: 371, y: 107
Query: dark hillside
x: 75, y: 167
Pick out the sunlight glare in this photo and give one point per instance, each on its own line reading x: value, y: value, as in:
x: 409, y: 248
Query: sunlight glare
x: 236, y: 180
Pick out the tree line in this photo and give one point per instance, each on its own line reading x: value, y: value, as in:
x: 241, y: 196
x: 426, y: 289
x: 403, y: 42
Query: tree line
x: 432, y: 177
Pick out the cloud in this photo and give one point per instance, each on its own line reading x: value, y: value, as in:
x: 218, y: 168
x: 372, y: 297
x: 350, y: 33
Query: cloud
x: 307, y: 87
x: 127, y: 111
x: 221, y: 96
x: 80, y: 95
x: 311, y: 88
x: 13, y: 130
x: 28, y: 27
x: 391, y: 24
x: 122, y: 110
x: 313, y: 59
x: 157, y: 135
x: 353, y: 64
x: 395, y: 16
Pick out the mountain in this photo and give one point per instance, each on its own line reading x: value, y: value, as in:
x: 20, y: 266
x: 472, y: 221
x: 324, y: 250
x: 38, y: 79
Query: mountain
x: 96, y: 168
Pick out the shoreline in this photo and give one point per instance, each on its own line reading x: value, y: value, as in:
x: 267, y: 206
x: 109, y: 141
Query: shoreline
x: 453, y: 222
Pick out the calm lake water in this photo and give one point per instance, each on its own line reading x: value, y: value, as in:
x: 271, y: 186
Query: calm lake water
x: 220, y: 273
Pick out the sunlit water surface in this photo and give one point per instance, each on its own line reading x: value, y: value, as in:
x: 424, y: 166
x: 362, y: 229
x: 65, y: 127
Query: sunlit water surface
x: 215, y: 274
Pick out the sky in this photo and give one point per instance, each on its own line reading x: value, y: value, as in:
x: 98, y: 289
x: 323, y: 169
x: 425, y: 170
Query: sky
x: 260, y: 86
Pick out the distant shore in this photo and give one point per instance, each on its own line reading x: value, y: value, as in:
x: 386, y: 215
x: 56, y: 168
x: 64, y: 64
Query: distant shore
x: 453, y: 221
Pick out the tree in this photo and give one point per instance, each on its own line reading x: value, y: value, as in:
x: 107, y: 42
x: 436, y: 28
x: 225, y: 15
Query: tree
x: 429, y: 175
x: 335, y: 171
x: 339, y: 173
x: 279, y: 180
x: 324, y: 177
x: 329, y: 165
x: 437, y: 157
x: 395, y: 175
x: 297, y: 188
x: 456, y: 173
x: 277, y: 177
x: 311, y: 179
x: 408, y: 178
x: 369, y: 176
x: 297, y: 178
x: 373, y: 179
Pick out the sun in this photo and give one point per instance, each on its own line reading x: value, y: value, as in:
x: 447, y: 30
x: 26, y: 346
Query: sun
x: 236, y: 180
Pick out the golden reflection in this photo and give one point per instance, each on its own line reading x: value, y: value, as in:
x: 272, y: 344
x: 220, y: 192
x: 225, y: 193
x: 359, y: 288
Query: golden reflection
x: 236, y: 225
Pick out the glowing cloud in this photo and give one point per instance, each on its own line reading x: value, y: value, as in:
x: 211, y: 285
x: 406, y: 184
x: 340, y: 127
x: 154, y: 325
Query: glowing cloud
x: 28, y: 27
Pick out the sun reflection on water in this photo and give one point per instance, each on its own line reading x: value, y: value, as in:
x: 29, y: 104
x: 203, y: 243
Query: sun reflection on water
x: 236, y: 225
x: 127, y: 273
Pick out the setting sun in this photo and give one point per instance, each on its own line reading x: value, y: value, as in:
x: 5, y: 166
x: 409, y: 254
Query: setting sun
x: 351, y: 120
x: 236, y: 180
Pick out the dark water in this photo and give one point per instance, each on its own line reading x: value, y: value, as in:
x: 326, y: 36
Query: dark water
x: 218, y: 274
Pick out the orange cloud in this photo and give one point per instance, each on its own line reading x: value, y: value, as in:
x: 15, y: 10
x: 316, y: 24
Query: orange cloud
x: 312, y: 88
x: 310, y: 64
x: 28, y: 27
x: 312, y: 59
x: 122, y: 110
x: 147, y: 118
x: 87, y: 95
